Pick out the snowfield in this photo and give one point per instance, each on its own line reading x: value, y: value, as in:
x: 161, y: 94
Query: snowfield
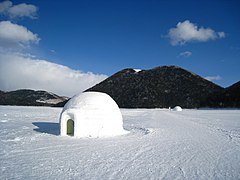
x: 162, y: 144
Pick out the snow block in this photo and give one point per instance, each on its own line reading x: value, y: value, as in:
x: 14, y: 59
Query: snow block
x: 91, y: 114
x: 177, y: 108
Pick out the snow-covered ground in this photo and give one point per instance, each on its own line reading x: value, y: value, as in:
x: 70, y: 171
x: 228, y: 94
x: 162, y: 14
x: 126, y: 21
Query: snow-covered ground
x: 162, y: 144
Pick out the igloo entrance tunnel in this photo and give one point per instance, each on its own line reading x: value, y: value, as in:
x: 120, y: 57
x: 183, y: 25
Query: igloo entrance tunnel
x: 91, y: 114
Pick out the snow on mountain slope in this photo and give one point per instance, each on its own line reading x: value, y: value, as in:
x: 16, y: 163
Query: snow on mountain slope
x: 51, y: 101
x: 162, y: 144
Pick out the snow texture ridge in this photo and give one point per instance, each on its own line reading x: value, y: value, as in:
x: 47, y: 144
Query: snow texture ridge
x: 162, y: 144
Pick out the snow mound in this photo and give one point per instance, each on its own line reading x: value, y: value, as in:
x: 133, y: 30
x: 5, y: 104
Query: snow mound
x: 91, y: 114
x: 137, y: 70
x: 177, y: 108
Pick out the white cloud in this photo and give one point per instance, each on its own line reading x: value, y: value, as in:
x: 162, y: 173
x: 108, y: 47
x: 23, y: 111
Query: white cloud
x: 185, y: 54
x: 188, y: 32
x: 15, y: 36
x: 221, y: 34
x: 20, y: 10
x: 213, y: 78
x: 18, y: 71
x: 23, y: 10
x: 5, y: 6
x: 24, y: 71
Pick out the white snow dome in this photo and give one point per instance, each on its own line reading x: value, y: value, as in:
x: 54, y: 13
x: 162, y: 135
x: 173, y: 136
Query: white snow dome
x: 177, y: 108
x: 91, y: 114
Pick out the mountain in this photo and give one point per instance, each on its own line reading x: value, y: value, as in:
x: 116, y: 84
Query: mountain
x: 230, y: 97
x: 160, y: 87
x: 26, y: 97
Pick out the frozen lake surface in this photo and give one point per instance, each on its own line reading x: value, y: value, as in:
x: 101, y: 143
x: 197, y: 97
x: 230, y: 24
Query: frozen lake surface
x: 162, y: 144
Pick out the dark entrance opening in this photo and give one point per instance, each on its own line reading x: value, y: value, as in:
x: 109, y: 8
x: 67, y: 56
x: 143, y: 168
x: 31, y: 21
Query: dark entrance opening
x: 70, y: 127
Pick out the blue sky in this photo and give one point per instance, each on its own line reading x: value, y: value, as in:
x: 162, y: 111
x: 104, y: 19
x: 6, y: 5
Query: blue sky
x: 103, y: 37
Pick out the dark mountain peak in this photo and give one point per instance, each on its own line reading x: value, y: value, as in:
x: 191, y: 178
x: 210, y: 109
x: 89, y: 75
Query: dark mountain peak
x: 160, y: 70
x: 230, y: 97
x: 174, y: 70
x: 124, y: 72
x: 234, y: 87
x: 27, y: 97
x: 127, y: 71
x: 159, y: 87
x: 167, y: 67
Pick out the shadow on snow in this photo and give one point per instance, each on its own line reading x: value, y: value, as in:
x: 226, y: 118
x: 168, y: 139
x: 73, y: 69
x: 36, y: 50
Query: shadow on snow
x: 47, y: 127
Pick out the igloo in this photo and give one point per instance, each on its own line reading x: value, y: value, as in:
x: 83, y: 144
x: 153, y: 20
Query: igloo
x: 91, y: 114
x: 177, y: 108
